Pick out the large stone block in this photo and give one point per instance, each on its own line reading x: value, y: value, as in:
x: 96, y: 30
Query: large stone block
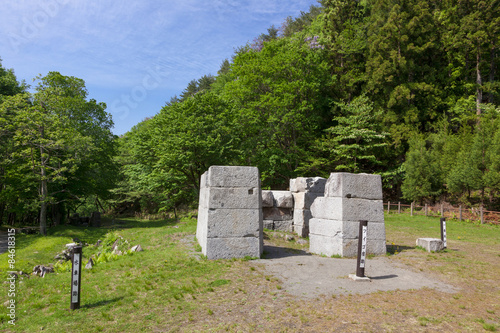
x: 304, y: 200
x: 373, y: 246
x: 268, y: 224
x: 286, y: 226
x: 337, y: 245
x: 283, y: 199
x: 301, y: 230
x: 431, y: 244
x: 277, y: 214
x: 309, y: 184
x: 233, y: 223
x: 233, y: 176
x: 267, y: 198
x: 228, y: 248
x: 347, y: 229
x: 301, y: 217
x: 349, y: 185
x: 231, y: 198
x: 344, y: 209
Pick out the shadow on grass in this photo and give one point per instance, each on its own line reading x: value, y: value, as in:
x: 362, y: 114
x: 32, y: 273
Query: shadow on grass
x: 101, y: 303
x: 395, y: 249
x: 275, y: 252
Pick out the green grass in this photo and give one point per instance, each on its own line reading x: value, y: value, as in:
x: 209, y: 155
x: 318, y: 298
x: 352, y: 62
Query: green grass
x: 130, y: 293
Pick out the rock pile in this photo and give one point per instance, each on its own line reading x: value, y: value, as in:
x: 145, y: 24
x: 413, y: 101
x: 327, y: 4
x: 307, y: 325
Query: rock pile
x: 349, y: 198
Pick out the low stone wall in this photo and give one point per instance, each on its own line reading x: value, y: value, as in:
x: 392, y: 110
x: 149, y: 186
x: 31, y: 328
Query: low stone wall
x: 305, y: 190
x: 230, y: 213
x: 349, y: 198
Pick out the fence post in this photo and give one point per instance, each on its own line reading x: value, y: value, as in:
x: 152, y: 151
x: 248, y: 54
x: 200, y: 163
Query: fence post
x: 482, y: 216
x: 460, y: 214
x: 399, y: 207
x: 425, y: 209
x: 442, y: 210
x: 411, y: 209
x: 388, y: 207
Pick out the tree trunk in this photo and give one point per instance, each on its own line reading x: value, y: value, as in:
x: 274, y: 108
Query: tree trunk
x: 492, y: 73
x: 43, y: 199
x: 479, y: 82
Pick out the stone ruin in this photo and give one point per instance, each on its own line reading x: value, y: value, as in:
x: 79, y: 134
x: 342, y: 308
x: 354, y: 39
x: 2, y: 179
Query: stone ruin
x: 277, y: 210
x: 349, y: 198
x: 230, y: 213
x: 233, y: 211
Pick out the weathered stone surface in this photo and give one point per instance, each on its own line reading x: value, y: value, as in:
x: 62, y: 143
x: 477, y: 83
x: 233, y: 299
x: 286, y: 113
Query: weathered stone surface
x: 227, y: 248
x: 325, y: 245
x: 136, y: 248
x: 283, y: 199
x: 349, y: 185
x: 309, y: 184
x: 277, y: 214
x: 336, y: 245
x: 89, y: 264
x: 267, y: 198
x: 431, y: 244
x: 268, y: 224
x: 233, y: 223
x: 286, y: 226
x: 301, y: 230
x: 344, y: 209
x: 347, y: 229
x: 232, y: 176
x: 304, y: 200
x: 301, y: 217
x: 373, y: 246
x: 231, y: 198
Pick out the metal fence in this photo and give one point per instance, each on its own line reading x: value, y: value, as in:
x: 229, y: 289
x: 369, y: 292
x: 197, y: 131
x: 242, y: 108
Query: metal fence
x: 444, y: 210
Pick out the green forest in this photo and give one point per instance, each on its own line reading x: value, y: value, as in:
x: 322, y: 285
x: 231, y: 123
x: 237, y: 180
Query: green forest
x: 409, y: 90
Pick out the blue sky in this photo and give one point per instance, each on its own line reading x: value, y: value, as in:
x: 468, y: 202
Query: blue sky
x: 132, y: 55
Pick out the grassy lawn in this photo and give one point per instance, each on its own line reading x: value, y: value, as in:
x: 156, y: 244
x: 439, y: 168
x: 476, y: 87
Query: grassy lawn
x: 170, y: 287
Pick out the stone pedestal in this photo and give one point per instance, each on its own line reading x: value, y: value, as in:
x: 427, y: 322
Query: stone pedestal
x: 349, y: 198
x: 431, y: 244
x: 230, y: 213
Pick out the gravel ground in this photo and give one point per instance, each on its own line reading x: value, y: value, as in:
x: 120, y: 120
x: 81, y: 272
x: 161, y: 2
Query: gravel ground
x: 309, y: 276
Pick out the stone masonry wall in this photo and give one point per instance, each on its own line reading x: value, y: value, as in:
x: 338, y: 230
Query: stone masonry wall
x: 349, y: 198
x: 230, y: 213
x: 277, y: 210
x: 305, y: 191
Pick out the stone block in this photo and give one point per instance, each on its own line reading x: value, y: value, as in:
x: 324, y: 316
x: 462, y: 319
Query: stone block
x: 373, y: 246
x: 231, y: 198
x: 283, y: 199
x: 336, y: 245
x: 286, y: 226
x: 268, y: 224
x: 431, y: 244
x: 228, y: 248
x: 233, y: 176
x: 308, y: 184
x: 344, y: 209
x: 301, y: 230
x: 350, y: 185
x: 347, y: 229
x: 233, y: 223
x: 277, y: 214
x: 304, y: 200
x: 325, y: 245
x: 301, y: 217
x: 267, y: 198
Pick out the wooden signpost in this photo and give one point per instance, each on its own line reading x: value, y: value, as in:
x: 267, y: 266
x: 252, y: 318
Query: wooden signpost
x: 363, y: 232
x: 443, y: 231
x: 76, y: 277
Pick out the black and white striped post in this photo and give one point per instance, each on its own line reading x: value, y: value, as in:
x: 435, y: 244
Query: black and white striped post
x: 363, y: 233
x: 443, y: 231
x: 76, y: 277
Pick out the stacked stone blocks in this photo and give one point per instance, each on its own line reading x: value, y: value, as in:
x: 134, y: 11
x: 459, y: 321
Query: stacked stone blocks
x: 305, y: 190
x: 277, y: 210
x: 349, y: 198
x: 230, y: 213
